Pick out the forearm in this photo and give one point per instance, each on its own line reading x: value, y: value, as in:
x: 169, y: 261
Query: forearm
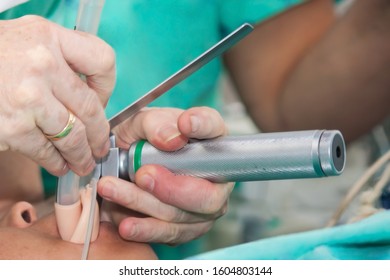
x: 260, y: 65
x: 343, y: 81
x: 305, y: 70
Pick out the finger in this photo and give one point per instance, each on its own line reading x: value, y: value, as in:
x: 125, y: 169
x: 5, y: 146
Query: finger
x: 202, y: 123
x: 34, y: 145
x: 185, y: 192
x: 96, y: 59
x: 47, y: 62
x: 131, y: 197
x: 47, y: 116
x: 84, y: 103
x: 51, y: 117
x: 157, y: 125
x: 154, y: 230
x: 79, y: 157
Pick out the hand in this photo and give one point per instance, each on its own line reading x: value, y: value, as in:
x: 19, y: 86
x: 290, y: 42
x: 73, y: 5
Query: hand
x: 39, y: 86
x: 160, y: 206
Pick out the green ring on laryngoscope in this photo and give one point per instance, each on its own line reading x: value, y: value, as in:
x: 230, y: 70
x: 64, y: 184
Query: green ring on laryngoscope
x: 137, y: 154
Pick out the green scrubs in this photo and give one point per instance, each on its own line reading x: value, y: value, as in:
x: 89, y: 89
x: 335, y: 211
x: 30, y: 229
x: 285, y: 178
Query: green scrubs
x: 368, y: 239
x: 153, y: 39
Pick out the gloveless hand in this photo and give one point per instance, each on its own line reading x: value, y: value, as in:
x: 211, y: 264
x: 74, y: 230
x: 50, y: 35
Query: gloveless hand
x: 41, y: 90
x: 161, y: 206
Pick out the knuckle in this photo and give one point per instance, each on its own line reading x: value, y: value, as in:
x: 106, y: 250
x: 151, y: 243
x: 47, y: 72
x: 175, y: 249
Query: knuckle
x: 27, y: 97
x: 218, y: 199
x: 33, y: 18
x: 131, y: 201
x: 174, y: 215
x: 180, y: 216
x: 107, y: 58
x: 41, y: 57
x: 210, y: 208
x: 36, y: 23
x: 92, y: 106
x: 146, y: 116
x: 207, y: 111
x: 214, y: 205
x: 173, y: 234
x: 41, y: 61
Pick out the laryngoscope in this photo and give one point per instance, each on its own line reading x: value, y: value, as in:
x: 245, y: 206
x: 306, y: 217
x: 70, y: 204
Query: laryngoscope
x: 263, y: 156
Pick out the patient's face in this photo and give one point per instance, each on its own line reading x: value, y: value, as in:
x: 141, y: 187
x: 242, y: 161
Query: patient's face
x: 26, y: 233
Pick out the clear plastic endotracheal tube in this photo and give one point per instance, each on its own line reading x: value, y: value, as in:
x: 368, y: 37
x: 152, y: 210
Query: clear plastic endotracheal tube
x: 76, y: 208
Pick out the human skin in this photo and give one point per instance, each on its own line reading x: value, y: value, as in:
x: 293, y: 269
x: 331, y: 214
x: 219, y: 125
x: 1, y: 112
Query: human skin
x: 175, y: 209
x: 24, y: 235
x: 34, y: 53
x: 307, y: 69
x: 159, y: 206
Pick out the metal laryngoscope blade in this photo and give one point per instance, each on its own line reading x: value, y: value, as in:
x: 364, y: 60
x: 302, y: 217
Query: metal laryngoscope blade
x: 110, y: 164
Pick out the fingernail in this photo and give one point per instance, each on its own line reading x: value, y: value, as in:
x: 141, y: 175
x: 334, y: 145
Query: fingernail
x: 108, y: 190
x: 169, y: 132
x: 146, y: 182
x: 131, y: 230
x: 195, y: 123
x: 65, y: 168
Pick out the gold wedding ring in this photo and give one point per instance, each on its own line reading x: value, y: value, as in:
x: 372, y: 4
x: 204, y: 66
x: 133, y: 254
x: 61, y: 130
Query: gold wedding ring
x: 65, y: 131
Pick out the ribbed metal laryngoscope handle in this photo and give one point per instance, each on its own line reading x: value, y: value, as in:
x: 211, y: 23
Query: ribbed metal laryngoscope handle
x: 264, y: 156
